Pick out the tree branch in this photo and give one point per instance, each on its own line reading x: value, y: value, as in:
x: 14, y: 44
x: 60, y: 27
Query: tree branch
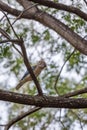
x: 9, y: 9
x: 29, y: 68
x: 60, y: 6
x: 4, y: 33
x: 74, y: 39
x: 75, y: 93
x: 85, y: 2
x: 10, y: 25
x: 58, y: 76
x: 43, y: 101
x: 16, y: 41
x: 19, y: 117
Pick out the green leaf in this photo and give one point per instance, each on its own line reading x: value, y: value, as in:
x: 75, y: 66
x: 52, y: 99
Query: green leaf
x: 35, y: 38
x: 46, y: 35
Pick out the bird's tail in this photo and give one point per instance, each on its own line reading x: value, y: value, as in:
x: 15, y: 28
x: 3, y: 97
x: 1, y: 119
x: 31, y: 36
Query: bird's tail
x: 28, y: 78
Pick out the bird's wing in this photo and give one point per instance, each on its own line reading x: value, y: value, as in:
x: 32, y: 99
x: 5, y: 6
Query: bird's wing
x: 27, y: 72
x: 26, y: 79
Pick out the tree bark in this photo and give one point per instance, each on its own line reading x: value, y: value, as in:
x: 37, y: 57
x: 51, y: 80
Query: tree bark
x: 43, y: 101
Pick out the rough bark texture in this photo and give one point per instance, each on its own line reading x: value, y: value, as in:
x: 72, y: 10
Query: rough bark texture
x: 43, y: 101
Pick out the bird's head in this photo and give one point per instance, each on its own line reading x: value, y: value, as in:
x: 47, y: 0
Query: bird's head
x: 42, y: 64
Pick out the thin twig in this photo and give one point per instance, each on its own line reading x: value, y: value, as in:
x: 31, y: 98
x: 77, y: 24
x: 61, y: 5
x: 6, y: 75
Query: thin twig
x: 60, y: 120
x: 2, y: 18
x: 74, y: 113
x: 17, y: 50
x: 29, y: 68
x: 24, y: 12
x: 3, y: 125
x: 10, y: 25
x: 20, y: 117
x: 75, y: 93
x: 4, y: 34
x: 57, y: 77
x: 85, y: 2
x: 13, y: 41
x: 16, y: 41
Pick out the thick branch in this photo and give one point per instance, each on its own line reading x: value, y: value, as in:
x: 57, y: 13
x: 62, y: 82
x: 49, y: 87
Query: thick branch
x: 74, y: 39
x: 60, y: 6
x: 43, y: 101
x: 8, y: 9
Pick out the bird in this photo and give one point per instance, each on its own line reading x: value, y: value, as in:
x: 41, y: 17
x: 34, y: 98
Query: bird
x: 37, y: 69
